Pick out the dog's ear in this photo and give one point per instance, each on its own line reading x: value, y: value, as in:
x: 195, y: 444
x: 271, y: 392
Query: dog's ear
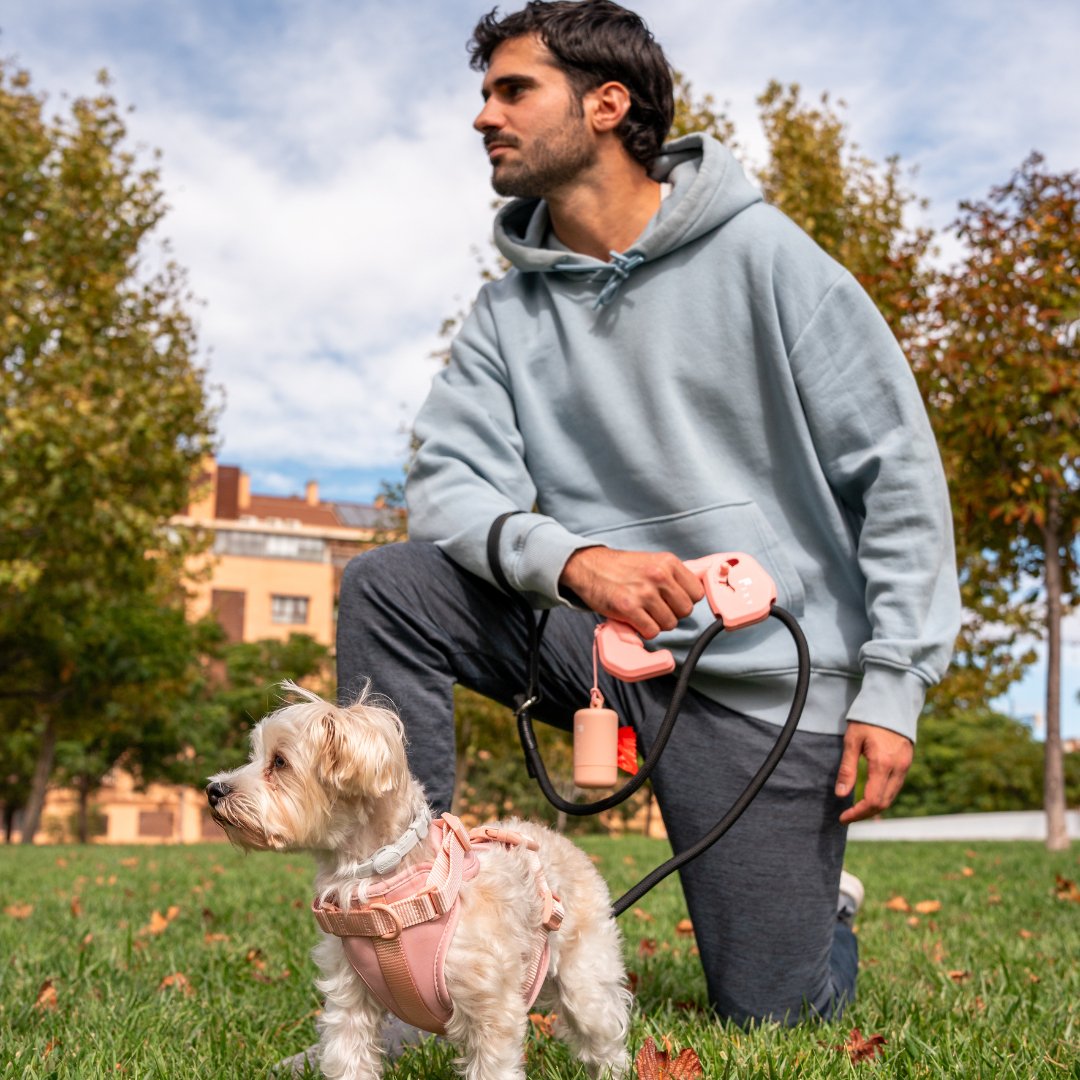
x: 362, y: 751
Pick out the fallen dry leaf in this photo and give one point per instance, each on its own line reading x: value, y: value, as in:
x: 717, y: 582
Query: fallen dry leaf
x: 928, y: 907
x: 50, y: 1046
x: 46, y: 996
x: 1027, y: 935
x: 1066, y: 889
x: 642, y: 914
x: 646, y: 947
x: 159, y: 923
x: 898, y: 903
x: 210, y: 939
x: 860, y: 1049
x: 968, y: 872
x: 76, y: 907
x: 654, y: 1064
x: 86, y: 941
x: 179, y: 981
x: 19, y: 911
x: 959, y: 976
x: 129, y: 863
x: 1032, y: 977
x: 543, y: 1025
x: 684, y: 928
x: 913, y: 921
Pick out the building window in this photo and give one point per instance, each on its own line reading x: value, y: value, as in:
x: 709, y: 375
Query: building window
x: 270, y: 546
x: 289, y: 609
x: 155, y: 823
x: 228, y: 607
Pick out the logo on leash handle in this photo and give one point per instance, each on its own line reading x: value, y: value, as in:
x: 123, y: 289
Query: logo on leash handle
x: 739, y: 591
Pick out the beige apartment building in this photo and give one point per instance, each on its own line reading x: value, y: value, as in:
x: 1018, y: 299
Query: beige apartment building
x: 274, y: 568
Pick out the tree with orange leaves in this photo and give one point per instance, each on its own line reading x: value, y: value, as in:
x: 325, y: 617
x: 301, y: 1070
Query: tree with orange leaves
x: 1002, y: 377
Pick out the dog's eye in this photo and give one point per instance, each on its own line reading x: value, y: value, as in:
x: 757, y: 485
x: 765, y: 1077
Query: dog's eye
x: 279, y: 762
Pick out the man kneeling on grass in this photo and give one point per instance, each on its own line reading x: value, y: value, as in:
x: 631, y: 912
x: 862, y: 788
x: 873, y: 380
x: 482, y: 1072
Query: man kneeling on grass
x: 671, y: 368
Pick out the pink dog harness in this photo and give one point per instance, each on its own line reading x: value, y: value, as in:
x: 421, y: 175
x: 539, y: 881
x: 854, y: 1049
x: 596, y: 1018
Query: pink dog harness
x: 397, y: 941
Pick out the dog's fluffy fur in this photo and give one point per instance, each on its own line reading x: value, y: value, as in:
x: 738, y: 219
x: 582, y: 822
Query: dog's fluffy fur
x: 335, y: 781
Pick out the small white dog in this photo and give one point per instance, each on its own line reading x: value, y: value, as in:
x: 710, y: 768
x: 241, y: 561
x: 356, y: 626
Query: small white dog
x: 335, y: 781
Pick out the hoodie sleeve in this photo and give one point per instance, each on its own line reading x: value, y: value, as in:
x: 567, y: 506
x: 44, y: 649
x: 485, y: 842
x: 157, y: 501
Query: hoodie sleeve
x: 876, y: 446
x: 470, y: 468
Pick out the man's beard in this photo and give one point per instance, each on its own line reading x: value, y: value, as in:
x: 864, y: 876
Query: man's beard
x: 549, y: 164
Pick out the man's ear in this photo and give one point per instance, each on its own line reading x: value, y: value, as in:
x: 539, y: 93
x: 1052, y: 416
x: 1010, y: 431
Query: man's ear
x: 606, y: 106
x: 361, y: 751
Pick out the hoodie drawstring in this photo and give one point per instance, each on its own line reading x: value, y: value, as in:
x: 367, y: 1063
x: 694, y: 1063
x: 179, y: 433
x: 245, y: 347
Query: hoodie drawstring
x: 618, y: 270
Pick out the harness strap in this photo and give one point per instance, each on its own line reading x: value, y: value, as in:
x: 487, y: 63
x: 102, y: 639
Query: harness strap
x: 382, y: 923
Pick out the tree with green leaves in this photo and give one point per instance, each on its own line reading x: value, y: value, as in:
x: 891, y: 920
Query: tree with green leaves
x: 1003, y: 373
x: 852, y: 206
x: 104, y: 418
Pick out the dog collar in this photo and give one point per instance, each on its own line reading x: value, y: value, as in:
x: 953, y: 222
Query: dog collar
x: 387, y: 859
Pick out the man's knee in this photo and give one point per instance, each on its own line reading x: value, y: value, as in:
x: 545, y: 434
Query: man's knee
x: 382, y: 572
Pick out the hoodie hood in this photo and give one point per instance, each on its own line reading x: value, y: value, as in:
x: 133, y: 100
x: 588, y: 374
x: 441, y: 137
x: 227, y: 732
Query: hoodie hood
x: 709, y: 188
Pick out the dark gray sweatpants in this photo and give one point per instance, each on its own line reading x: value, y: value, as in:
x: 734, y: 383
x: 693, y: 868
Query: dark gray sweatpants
x: 763, y: 899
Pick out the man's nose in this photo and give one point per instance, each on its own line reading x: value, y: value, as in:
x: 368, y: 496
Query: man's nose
x: 216, y: 791
x: 488, y: 118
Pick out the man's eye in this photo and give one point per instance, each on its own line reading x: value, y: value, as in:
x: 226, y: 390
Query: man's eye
x: 279, y: 762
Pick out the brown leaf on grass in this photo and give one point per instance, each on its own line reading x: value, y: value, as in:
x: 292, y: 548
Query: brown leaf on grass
x: 646, y: 947
x: 159, y: 923
x: 959, y: 976
x: 860, y: 1049
x: 654, y: 1064
x: 993, y: 898
x: 1027, y: 935
x: 61, y: 862
x: 629, y: 860
x: 928, y: 907
x: 684, y: 928
x: 211, y: 939
x: 255, y: 959
x: 642, y: 914
x: 129, y: 863
x: 179, y: 981
x: 1032, y: 977
x: 967, y: 872
x: 913, y: 921
x: 1066, y: 889
x: 50, y: 1046
x: 46, y: 996
x: 898, y: 903
x: 19, y: 911
x: 632, y: 981
x: 543, y: 1025
x: 76, y: 907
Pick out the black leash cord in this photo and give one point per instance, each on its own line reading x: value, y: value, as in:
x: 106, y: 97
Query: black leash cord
x: 538, y: 770
x: 535, y: 762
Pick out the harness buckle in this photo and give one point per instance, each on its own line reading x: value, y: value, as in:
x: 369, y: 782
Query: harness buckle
x: 398, y: 926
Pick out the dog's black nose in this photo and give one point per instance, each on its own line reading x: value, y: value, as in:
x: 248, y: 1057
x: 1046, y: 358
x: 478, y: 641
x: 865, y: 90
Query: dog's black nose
x: 216, y: 791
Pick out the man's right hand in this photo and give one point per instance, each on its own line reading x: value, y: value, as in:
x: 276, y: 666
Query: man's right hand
x: 650, y: 590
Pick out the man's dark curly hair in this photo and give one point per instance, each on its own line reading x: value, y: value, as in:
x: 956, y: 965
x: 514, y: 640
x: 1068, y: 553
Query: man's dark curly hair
x: 594, y: 42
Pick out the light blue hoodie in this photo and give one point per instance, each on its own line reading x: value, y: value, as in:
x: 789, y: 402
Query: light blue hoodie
x: 723, y: 385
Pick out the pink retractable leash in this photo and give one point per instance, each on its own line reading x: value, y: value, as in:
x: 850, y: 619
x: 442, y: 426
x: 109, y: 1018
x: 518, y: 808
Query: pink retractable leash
x: 740, y: 593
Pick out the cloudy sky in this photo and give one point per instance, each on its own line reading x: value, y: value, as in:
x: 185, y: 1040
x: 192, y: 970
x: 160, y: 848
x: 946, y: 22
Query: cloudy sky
x: 330, y: 199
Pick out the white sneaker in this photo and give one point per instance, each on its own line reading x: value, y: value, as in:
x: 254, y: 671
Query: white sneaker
x: 851, y: 897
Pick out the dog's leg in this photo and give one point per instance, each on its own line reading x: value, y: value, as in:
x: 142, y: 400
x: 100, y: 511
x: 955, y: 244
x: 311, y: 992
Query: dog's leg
x: 349, y: 1026
x: 488, y: 1025
x: 593, y: 1007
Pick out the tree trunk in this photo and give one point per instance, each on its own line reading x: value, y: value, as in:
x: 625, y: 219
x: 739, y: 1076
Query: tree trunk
x: 40, y: 783
x: 1057, y: 836
x: 83, y: 786
x: 9, y: 821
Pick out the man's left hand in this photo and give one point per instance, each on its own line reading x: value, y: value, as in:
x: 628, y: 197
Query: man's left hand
x: 888, y: 757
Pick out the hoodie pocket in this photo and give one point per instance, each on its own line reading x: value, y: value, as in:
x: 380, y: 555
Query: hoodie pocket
x: 691, y: 534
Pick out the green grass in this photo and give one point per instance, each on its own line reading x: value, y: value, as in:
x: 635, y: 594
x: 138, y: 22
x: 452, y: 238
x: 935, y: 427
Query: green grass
x: 84, y: 985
